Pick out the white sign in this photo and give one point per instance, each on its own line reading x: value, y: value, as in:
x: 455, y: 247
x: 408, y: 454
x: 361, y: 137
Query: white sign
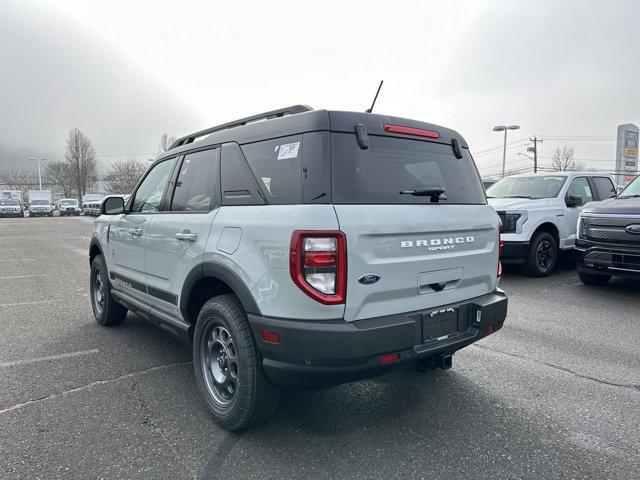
x: 626, y: 153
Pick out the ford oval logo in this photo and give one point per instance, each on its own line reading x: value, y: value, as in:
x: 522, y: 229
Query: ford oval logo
x: 633, y: 229
x: 369, y: 278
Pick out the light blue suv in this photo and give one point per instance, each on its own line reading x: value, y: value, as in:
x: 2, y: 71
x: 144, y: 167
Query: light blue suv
x: 301, y: 248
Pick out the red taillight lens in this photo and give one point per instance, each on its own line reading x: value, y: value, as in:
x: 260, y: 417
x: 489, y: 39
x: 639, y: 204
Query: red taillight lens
x: 318, y: 264
x: 418, y: 132
x: 500, y: 248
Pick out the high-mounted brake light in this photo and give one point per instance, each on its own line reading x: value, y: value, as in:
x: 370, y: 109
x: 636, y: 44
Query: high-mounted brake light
x: 418, y: 132
x: 318, y: 264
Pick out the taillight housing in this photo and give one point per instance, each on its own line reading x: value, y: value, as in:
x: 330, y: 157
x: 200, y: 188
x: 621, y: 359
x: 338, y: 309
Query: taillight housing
x: 500, y: 249
x: 318, y: 264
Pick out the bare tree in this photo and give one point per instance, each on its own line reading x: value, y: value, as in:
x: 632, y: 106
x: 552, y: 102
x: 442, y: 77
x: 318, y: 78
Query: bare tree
x: 81, y: 159
x: 165, y: 142
x: 563, y: 160
x: 60, y: 177
x: 19, y: 179
x: 123, y: 175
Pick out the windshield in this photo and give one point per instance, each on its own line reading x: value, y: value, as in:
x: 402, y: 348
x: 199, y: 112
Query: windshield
x: 391, y: 168
x: 39, y: 202
x: 631, y: 190
x: 66, y: 203
x: 9, y: 202
x: 527, y: 187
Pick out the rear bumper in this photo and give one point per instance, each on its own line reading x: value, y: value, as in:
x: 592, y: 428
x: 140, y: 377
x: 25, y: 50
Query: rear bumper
x: 608, y: 259
x: 514, y: 252
x: 321, y: 353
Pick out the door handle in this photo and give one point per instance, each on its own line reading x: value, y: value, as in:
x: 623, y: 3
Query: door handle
x: 186, y: 236
x: 136, y: 232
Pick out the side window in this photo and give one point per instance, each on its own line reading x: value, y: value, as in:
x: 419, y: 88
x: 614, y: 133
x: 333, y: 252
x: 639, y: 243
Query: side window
x: 580, y: 188
x: 149, y: 194
x: 277, y: 166
x: 239, y: 186
x: 196, y: 182
x: 604, y: 187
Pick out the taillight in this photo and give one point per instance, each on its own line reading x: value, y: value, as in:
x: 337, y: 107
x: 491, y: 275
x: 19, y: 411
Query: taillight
x: 318, y: 264
x: 500, y: 248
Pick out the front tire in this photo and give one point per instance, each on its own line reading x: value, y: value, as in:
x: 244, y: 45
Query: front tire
x: 228, y: 366
x: 542, y: 257
x: 107, y: 311
x: 594, y: 279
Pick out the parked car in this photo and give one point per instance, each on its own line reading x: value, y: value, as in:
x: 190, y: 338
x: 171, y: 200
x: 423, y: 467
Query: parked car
x: 539, y: 213
x: 608, y: 241
x: 40, y: 203
x: 304, y: 248
x: 11, y: 207
x: 92, y: 207
x: 487, y: 182
x: 68, y: 206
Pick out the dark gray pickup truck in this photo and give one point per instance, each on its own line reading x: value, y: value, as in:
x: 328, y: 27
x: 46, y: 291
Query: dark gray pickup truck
x: 608, y: 239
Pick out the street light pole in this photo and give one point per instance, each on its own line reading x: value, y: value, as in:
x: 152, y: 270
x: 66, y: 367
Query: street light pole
x: 39, y: 170
x: 501, y: 128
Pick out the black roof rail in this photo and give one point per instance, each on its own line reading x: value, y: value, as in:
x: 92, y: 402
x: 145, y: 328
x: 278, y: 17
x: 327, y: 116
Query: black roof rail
x: 280, y: 112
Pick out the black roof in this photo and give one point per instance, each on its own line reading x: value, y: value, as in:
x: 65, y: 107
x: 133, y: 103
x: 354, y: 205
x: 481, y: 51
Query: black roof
x: 300, y: 119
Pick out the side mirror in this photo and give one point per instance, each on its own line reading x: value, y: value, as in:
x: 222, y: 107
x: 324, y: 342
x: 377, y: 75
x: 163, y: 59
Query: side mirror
x: 112, y: 206
x: 572, y: 201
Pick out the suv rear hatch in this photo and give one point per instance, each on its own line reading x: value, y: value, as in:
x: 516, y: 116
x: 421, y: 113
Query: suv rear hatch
x: 409, y: 252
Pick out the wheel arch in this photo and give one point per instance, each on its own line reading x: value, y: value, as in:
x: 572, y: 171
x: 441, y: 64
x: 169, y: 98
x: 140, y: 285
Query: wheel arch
x: 208, y: 280
x: 548, y: 227
x: 94, y: 250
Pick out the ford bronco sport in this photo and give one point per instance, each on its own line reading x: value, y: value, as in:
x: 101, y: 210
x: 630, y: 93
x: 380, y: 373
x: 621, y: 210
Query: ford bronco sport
x: 300, y: 248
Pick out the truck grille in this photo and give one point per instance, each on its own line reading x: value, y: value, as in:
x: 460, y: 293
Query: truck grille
x: 611, y: 230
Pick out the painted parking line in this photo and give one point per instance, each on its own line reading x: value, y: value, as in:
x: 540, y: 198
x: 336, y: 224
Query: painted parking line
x: 11, y: 277
x: 20, y: 304
x: 28, y: 361
x: 19, y: 260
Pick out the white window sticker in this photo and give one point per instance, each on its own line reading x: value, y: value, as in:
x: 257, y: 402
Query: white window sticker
x: 288, y: 150
x: 267, y: 183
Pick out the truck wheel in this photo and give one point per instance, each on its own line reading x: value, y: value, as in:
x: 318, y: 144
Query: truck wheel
x: 542, y: 257
x: 106, y: 310
x: 228, y: 366
x: 594, y: 279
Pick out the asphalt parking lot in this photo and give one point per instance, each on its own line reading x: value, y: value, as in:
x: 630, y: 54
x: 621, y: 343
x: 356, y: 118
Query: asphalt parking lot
x: 554, y: 394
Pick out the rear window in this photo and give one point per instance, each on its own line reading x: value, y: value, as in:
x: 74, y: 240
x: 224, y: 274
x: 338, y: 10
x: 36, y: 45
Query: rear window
x: 392, y: 165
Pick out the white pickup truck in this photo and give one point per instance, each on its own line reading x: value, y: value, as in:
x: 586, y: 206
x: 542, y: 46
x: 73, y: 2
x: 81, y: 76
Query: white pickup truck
x: 539, y: 213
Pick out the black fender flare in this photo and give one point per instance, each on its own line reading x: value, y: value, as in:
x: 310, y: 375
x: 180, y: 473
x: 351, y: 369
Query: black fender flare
x: 220, y: 272
x: 95, y: 243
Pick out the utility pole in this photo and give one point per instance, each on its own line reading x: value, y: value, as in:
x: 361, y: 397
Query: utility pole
x: 534, y: 149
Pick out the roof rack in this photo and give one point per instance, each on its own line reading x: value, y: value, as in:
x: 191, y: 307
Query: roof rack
x: 293, y: 109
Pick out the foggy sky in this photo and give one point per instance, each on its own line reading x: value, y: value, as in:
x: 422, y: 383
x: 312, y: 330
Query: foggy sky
x: 127, y: 71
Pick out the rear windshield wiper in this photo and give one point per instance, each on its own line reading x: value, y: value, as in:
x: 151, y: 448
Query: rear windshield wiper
x: 629, y: 196
x: 436, y: 193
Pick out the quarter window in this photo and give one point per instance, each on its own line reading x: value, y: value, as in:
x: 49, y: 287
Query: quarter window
x: 149, y: 194
x: 195, y: 185
x: 277, y: 166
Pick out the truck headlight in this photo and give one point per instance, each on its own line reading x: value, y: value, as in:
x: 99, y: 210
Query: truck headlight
x: 582, y: 227
x: 512, y: 221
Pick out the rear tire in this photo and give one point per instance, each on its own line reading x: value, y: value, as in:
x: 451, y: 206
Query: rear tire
x: 542, y: 256
x: 594, y: 279
x: 107, y: 311
x: 228, y: 366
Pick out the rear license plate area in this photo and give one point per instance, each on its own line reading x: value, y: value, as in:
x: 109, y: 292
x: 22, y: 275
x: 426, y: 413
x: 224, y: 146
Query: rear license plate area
x: 439, y: 324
